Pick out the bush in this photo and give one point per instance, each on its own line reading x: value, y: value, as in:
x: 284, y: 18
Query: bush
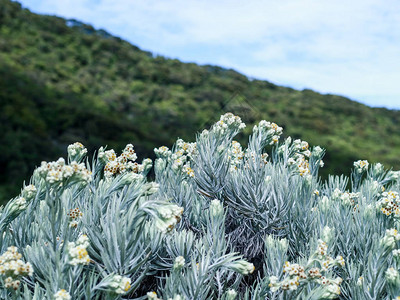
x: 218, y: 222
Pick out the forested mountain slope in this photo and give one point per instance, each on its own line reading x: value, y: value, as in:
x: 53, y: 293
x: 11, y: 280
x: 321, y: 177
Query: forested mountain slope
x: 62, y: 81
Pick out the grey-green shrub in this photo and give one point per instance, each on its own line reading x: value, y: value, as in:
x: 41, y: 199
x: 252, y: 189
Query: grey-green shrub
x: 218, y: 222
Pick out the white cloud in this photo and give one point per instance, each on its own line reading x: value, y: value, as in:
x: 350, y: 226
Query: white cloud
x: 346, y: 47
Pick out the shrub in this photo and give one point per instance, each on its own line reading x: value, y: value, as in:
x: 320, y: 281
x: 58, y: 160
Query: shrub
x: 218, y: 222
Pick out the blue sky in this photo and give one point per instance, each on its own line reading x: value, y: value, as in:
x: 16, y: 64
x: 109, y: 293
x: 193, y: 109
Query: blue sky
x: 350, y: 48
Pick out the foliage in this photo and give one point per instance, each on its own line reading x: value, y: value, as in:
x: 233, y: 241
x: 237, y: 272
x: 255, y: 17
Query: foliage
x: 218, y: 222
x: 62, y: 81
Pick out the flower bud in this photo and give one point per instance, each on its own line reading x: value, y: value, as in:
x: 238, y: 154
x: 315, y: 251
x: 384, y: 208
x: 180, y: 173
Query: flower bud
x: 243, y: 267
x: 179, y: 263
x: 391, y: 275
x: 327, y: 234
x: 230, y: 294
x: 216, y: 208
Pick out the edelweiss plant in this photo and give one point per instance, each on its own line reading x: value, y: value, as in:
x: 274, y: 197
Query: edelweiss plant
x: 221, y: 220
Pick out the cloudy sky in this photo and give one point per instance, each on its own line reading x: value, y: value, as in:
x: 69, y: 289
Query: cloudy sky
x: 350, y: 48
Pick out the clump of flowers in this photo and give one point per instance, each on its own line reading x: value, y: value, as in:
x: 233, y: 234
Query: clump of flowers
x: 303, y: 166
x: 12, y: 268
x: 62, y: 295
x: 230, y: 294
x: 216, y: 208
x: 78, y: 254
x: 124, y: 163
x: 300, y: 155
x: 346, y: 198
x: 227, y: 122
x: 162, y: 151
x: 241, y: 266
x: 188, y: 148
x: 74, y: 216
x: 151, y: 188
x: 152, y: 296
x: 389, y: 204
x: 29, y: 192
x: 180, y: 158
x: 179, y: 263
x: 302, y: 147
x: 390, y: 238
x: 19, y: 204
x: 168, y: 216
x: 119, y: 284
x: 361, y: 166
x: 235, y: 155
x: 271, y: 130
x: 391, y: 275
x: 57, y: 172
x: 76, y: 151
x: 318, y: 264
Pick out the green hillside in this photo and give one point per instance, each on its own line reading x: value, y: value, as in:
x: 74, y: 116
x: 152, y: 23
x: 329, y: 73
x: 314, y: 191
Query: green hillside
x: 63, y: 81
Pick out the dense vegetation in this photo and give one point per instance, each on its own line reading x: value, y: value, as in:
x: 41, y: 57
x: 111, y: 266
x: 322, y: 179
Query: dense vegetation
x: 219, y: 221
x: 63, y: 81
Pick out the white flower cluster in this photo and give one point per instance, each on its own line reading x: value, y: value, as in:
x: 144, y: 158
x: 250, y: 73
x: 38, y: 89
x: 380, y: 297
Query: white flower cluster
x: 180, y: 159
x: 216, y: 208
x: 281, y: 244
x: 235, y: 155
x: 331, y: 287
x: 394, y: 175
x: 301, y: 147
x: 123, y: 164
x: 77, y: 251
x: 303, y: 166
x: 360, y: 281
x: 12, y: 268
x: 389, y: 204
x: 188, y: 148
x: 151, y: 188
x: 346, y: 198
x: 326, y: 234
x: 62, y: 295
x: 391, y: 275
x: 231, y: 294
x: 162, y: 152
x: 169, y: 216
x: 396, y: 255
x: 317, y: 151
x: 56, y: 172
x: 272, y: 130
x: 361, y: 166
x: 301, y: 163
x: 378, y: 168
x: 317, y: 265
x: 152, y: 296
x: 241, y: 266
x: 76, y: 151
x: 179, y: 263
x: 19, y: 204
x: 301, y: 155
x: 390, y: 238
x: 227, y: 122
x: 29, y: 192
x: 74, y: 216
x: 120, y: 284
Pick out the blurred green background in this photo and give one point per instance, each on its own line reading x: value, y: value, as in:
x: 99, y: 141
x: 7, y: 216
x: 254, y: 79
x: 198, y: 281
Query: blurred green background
x: 62, y: 81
